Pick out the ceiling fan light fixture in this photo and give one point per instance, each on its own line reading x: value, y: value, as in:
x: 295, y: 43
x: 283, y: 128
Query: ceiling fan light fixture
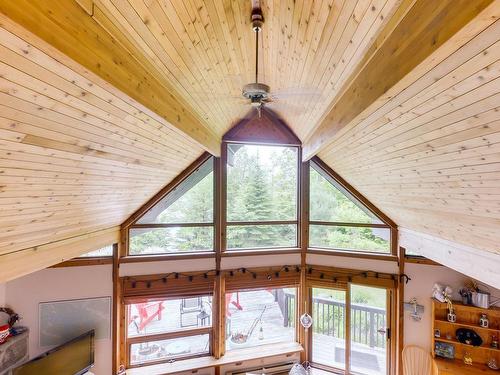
x: 256, y: 91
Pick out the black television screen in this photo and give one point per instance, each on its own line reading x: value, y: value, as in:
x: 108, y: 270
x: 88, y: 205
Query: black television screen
x: 75, y: 357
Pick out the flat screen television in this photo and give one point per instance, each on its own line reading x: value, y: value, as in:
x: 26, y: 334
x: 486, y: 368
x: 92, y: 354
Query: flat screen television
x: 74, y: 357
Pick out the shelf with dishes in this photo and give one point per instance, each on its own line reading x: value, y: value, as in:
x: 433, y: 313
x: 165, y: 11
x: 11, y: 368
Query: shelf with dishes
x: 472, y: 347
x: 472, y: 335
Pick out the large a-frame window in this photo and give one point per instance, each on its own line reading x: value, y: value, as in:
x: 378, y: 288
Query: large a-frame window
x: 339, y: 221
x: 267, y: 199
x: 182, y: 221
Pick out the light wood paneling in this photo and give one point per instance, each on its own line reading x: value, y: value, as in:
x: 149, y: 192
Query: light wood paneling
x: 412, y: 48
x: 205, y: 50
x: 429, y: 155
x: 84, y: 38
x: 23, y: 262
x: 76, y: 155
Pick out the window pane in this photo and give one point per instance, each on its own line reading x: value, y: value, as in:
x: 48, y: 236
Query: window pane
x: 261, y: 183
x: 162, y: 350
x: 331, y: 204
x: 106, y: 251
x: 190, y: 202
x: 171, y: 240
x: 155, y: 317
x: 261, y: 236
x: 260, y: 317
x: 328, y: 313
x: 350, y: 238
x: 368, y: 330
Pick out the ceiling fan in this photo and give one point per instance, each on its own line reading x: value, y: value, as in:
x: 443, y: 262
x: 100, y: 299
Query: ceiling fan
x: 259, y: 93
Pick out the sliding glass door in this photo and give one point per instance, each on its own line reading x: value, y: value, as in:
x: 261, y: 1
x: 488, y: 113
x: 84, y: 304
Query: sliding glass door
x: 369, y: 330
x: 328, y: 330
x: 364, y: 346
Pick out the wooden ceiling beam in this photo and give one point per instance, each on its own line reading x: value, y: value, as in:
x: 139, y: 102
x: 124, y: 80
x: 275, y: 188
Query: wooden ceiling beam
x: 421, y: 32
x: 28, y: 260
x: 68, y: 27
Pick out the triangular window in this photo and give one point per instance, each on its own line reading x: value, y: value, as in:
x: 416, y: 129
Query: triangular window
x: 180, y: 222
x: 340, y: 221
x: 192, y: 201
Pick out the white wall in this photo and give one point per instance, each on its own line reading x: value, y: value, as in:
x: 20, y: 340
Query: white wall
x: 55, y: 284
x: 2, y: 294
x: 423, y: 278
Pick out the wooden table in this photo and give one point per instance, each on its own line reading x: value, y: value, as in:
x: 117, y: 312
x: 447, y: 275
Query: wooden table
x: 457, y: 367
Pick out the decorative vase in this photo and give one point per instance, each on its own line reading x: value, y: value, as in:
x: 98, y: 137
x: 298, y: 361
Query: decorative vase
x: 452, y: 317
x: 483, y: 321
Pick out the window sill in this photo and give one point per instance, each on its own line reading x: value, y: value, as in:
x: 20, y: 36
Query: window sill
x: 353, y: 254
x: 263, y: 351
x: 162, y: 257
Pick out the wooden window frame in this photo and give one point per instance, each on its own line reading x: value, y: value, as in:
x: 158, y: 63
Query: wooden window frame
x: 313, y: 281
x: 131, y: 223
x: 223, y: 214
x: 387, y: 223
x: 88, y: 261
x: 247, y: 282
x: 129, y: 341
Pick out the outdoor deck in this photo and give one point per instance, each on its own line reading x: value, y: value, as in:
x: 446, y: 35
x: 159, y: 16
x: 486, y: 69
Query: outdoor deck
x: 260, y: 310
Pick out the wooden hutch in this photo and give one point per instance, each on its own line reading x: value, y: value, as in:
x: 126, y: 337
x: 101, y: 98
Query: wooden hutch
x: 467, y: 316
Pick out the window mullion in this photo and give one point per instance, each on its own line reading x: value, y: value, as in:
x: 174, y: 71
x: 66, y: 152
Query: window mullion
x: 169, y: 335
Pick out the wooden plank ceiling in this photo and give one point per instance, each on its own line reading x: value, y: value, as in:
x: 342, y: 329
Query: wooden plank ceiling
x: 77, y: 156
x: 428, y: 153
x: 103, y: 102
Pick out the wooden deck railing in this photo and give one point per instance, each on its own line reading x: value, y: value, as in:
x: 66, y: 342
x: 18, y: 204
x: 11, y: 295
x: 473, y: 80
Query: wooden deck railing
x: 329, y: 319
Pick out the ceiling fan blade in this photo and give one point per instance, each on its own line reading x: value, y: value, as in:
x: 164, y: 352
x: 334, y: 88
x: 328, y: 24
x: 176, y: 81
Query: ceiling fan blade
x: 297, y: 92
x: 283, y: 106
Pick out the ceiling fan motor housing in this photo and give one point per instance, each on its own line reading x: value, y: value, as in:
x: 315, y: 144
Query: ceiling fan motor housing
x: 256, y: 92
x: 257, y: 17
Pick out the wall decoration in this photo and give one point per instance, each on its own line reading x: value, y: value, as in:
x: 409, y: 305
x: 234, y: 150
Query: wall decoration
x: 61, y: 321
x: 415, y: 309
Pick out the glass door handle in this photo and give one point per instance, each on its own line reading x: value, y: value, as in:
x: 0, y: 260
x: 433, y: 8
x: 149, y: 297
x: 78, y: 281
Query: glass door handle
x: 386, y: 331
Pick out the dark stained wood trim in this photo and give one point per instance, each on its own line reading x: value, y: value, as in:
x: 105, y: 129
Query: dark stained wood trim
x: 267, y: 129
x: 421, y: 260
x: 169, y: 335
x: 167, y: 189
x: 223, y: 198
x: 256, y: 252
x: 218, y: 336
x: 117, y: 308
x: 353, y: 254
x: 269, y: 222
x: 167, y: 257
x: 354, y: 225
x: 163, y: 225
x: 400, y: 312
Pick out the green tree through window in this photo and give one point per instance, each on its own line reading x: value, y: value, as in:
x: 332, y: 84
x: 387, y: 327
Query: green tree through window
x: 261, y: 187
x: 329, y: 205
x: 191, y: 204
